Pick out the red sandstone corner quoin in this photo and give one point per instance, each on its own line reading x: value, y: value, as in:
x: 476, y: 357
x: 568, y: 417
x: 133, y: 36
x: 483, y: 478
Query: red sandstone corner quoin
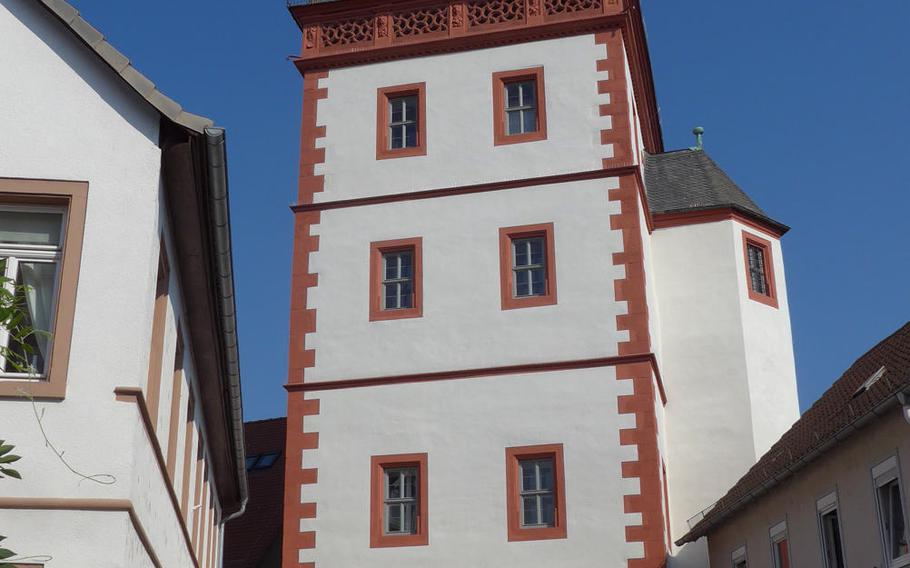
x: 303, y: 321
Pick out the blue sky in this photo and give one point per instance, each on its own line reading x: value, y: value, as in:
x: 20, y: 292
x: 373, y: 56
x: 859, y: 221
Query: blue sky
x: 806, y: 105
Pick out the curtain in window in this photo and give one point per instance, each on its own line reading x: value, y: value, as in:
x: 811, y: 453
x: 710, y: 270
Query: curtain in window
x: 38, y: 277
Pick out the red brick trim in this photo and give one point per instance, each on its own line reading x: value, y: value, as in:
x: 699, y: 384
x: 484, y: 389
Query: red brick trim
x: 769, y: 299
x: 383, y: 95
x: 377, y: 465
x: 377, y: 249
x: 303, y: 321
x: 667, y: 220
x: 642, y: 401
x: 507, y: 294
x: 619, y: 135
x: 513, y: 503
x: 483, y: 372
x: 500, y: 80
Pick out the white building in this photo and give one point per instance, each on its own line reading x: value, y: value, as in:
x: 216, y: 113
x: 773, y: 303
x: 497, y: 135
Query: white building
x: 460, y: 161
x: 113, y: 207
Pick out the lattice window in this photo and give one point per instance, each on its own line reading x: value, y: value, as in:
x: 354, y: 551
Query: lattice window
x: 419, y: 22
x: 346, y: 32
x: 559, y: 7
x: 491, y: 12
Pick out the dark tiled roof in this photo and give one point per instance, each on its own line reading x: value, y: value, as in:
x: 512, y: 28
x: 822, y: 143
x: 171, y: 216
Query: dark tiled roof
x: 249, y: 537
x: 688, y: 180
x: 832, y: 415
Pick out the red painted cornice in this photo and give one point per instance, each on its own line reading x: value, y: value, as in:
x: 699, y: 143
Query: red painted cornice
x: 345, y: 33
x: 699, y: 216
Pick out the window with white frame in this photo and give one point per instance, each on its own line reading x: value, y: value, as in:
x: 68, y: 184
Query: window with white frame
x: 403, y: 122
x: 31, y: 245
x: 890, y: 505
x: 521, y: 106
x: 398, y: 280
x: 739, y: 558
x: 780, y: 546
x: 538, y: 500
x: 400, y: 500
x: 529, y: 268
x: 829, y: 527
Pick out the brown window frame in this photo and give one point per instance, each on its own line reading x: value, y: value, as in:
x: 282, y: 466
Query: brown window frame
x: 73, y: 195
x: 513, y: 502
x: 500, y: 80
x: 377, y: 249
x: 378, y: 465
x: 383, y: 94
x: 507, y: 293
x: 769, y: 299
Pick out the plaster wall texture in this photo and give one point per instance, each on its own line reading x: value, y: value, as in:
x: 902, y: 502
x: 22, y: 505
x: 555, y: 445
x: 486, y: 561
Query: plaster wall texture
x: 768, y: 343
x: 463, y: 325
x: 81, y: 538
x: 712, y: 433
x: 67, y: 116
x: 465, y: 426
x: 459, y: 122
x: 847, y: 469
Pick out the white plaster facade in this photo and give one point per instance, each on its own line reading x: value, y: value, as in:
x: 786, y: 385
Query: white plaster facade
x: 67, y: 116
x: 673, y: 299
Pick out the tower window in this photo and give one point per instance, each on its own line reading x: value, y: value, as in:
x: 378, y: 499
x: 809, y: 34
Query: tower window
x: 398, y: 509
x: 519, y: 111
x: 536, y: 494
x: 759, y: 269
x: 401, y: 121
x: 521, y: 107
x: 396, y: 280
x: 527, y: 266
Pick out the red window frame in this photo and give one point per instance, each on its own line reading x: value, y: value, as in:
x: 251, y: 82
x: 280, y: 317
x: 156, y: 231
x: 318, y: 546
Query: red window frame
x: 769, y: 299
x: 415, y: 245
x: 782, y: 547
x: 383, y: 94
x: 506, y: 235
x: 378, y: 464
x: 513, y: 502
x: 500, y: 80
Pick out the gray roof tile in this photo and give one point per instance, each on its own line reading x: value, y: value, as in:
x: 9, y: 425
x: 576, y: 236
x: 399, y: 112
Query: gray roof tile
x: 687, y: 180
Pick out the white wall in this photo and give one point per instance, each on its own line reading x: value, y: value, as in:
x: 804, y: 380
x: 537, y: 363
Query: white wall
x: 728, y: 398
x: 464, y: 426
x: 459, y: 121
x: 65, y: 115
x: 463, y: 325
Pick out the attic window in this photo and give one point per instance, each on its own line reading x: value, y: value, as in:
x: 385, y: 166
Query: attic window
x: 261, y: 461
x: 870, y: 381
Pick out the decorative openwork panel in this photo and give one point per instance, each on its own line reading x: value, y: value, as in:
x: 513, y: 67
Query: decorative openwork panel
x: 491, y: 12
x: 419, y: 22
x: 561, y: 7
x: 346, y: 32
